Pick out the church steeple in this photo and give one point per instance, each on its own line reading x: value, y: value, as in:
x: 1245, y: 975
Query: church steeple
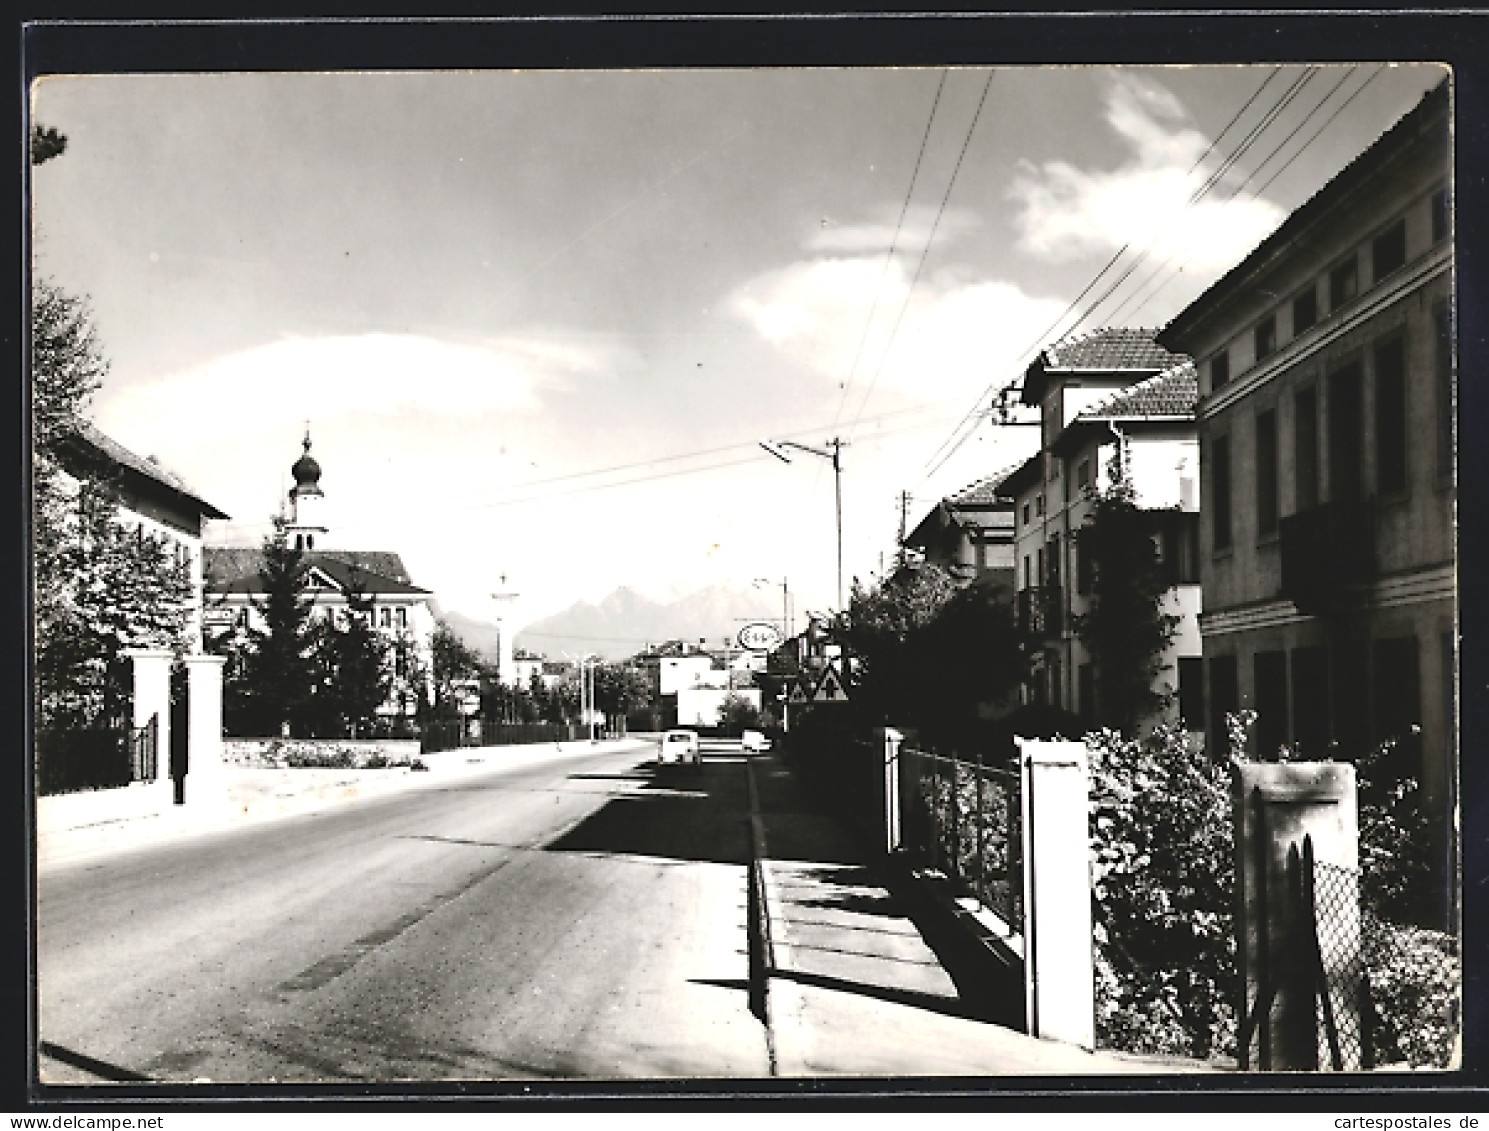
x: 306, y: 500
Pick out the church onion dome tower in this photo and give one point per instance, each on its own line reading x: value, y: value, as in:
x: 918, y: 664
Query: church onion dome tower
x: 306, y: 523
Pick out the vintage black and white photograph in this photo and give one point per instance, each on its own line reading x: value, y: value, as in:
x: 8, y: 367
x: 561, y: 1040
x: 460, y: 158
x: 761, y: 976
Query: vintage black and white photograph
x: 718, y: 574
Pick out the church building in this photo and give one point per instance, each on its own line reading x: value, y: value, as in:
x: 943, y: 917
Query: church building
x: 402, y: 611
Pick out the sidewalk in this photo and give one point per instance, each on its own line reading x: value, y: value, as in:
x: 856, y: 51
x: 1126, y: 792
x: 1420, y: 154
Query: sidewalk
x: 854, y: 989
x: 71, y: 827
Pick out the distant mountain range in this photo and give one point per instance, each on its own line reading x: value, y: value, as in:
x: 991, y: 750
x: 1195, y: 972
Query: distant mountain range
x: 626, y: 621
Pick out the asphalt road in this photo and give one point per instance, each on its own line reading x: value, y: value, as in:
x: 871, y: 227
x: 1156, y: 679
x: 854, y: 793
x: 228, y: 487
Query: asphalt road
x: 579, y: 918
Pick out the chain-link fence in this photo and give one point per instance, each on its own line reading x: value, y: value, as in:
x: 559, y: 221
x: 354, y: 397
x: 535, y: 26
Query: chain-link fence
x: 1390, y: 991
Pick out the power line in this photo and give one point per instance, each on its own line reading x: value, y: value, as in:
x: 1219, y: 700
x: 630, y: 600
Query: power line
x: 889, y: 255
x: 910, y: 293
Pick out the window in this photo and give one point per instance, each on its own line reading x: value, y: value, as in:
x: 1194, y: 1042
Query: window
x: 1305, y: 309
x: 1225, y: 700
x: 385, y: 617
x: 1305, y: 449
x: 1266, y: 473
x: 1388, y: 251
x: 1192, y: 692
x: 1053, y: 562
x: 1443, y: 359
x: 1026, y: 514
x: 1082, y: 566
x: 1219, y: 370
x: 1440, y: 215
x: 1039, y: 505
x: 1390, y: 417
x: 1345, y: 430
x: 1344, y: 283
x: 1028, y: 580
x: 402, y: 617
x: 1266, y: 336
x: 1220, y: 492
x: 1269, y: 673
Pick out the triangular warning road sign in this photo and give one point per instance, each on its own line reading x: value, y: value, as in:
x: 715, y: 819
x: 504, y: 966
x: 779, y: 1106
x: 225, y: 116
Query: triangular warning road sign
x: 798, y: 693
x: 830, y: 690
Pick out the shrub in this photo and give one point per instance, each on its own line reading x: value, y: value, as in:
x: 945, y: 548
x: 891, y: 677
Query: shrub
x: 1162, y: 882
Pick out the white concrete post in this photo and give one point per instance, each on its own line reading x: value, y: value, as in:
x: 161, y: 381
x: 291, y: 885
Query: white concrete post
x: 152, y: 696
x: 206, y: 786
x: 893, y: 838
x: 1059, y: 975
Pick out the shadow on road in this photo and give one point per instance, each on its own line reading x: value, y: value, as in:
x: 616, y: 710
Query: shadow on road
x: 680, y: 813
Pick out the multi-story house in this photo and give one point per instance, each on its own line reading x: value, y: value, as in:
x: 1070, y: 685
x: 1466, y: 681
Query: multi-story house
x: 1326, y: 438
x: 970, y: 533
x: 1113, y: 401
x: 401, y: 611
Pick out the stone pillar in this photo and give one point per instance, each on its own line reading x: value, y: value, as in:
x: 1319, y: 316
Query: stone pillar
x: 1059, y: 973
x: 1276, y: 806
x: 152, y: 696
x: 893, y: 814
x: 206, y: 786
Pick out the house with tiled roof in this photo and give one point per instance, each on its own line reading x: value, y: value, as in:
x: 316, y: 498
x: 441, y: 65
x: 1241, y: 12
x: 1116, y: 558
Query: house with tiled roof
x: 401, y: 610
x: 1326, y: 428
x: 970, y: 533
x: 1111, y: 401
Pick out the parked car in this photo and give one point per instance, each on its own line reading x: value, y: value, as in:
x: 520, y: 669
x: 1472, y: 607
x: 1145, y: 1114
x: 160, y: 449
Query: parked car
x: 754, y: 741
x: 679, y: 746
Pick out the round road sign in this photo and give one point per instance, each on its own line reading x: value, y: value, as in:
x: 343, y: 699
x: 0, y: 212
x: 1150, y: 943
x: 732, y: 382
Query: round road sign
x: 759, y: 637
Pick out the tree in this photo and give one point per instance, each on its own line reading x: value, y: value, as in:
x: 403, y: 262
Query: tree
x: 1124, y: 628
x: 355, y: 660
x: 452, y: 663
x: 737, y: 715
x: 621, y: 689
x: 279, y: 674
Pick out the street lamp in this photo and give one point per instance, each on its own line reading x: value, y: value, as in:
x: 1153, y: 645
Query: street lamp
x: 832, y: 452
x: 785, y: 603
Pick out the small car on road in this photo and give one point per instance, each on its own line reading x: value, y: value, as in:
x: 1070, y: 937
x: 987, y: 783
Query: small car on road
x: 679, y: 746
x: 754, y: 741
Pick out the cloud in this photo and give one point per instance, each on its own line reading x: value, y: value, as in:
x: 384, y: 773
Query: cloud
x: 954, y: 339
x: 1068, y: 212
x: 879, y: 235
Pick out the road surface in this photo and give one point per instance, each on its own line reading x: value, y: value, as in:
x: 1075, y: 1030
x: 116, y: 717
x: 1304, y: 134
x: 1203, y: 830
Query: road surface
x: 582, y: 917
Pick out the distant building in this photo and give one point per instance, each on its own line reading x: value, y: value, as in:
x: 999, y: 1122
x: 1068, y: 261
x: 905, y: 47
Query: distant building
x: 402, y: 611
x: 1326, y: 438
x: 970, y: 533
x: 1112, y: 397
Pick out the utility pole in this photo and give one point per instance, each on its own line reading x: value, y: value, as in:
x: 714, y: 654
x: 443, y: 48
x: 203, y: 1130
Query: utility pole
x: 899, y: 556
x: 833, y: 452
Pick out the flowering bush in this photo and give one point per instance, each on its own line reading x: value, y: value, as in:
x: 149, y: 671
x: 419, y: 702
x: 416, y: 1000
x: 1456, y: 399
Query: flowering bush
x: 1162, y: 880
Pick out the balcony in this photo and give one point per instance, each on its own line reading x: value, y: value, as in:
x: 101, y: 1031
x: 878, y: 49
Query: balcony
x: 1041, y: 613
x: 1328, y: 557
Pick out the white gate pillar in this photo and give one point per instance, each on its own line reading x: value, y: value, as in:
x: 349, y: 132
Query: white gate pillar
x: 893, y: 817
x: 1059, y: 974
x: 206, y: 785
x: 151, y: 668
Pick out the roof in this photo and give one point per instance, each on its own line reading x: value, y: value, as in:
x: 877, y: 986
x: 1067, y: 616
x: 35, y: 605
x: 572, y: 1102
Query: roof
x: 1415, y: 126
x: 1113, y: 350
x: 1023, y: 476
x: 89, y: 441
x: 379, y: 573
x: 1166, y: 396
x: 983, y: 493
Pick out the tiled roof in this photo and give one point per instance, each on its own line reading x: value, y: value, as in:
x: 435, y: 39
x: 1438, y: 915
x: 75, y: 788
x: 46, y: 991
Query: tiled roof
x: 380, y: 573
x: 1112, y: 348
x: 983, y: 493
x: 1168, y: 394
x: 86, y: 435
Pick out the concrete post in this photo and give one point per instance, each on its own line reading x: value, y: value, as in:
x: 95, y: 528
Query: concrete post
x: 1059, y: 974
x: 1276, y: 805
x: 893, y: 838
x: 152, y: 696
x: 206, y: 786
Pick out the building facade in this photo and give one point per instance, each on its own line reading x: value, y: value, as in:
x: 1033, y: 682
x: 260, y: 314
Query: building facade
x: 1326, y: 439
x: 1114, y: 399
x: 402, y: 612
x: 970, y: 533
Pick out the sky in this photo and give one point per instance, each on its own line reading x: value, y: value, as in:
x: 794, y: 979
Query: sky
x: 538, y: 322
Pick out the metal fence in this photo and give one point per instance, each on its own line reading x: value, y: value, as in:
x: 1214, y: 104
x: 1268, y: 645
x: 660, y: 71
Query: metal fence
x: 965, y: 819
x: 144, y: 750
x: 69, y: 760
x: 1405, y: 978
